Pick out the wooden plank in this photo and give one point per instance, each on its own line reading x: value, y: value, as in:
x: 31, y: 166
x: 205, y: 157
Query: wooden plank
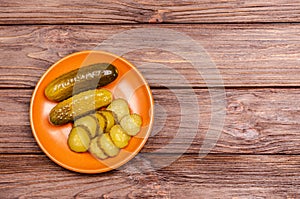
x: 35, y: 176
x: 258, y: 121
x: 245, y: 55
x: 124, y: 11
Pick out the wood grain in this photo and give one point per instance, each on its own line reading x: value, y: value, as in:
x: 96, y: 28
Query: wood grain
x: 125, y: 11
x: 258, y: 121
x: 35, y: 176
x: 245, y: 55
x: 256, y: 48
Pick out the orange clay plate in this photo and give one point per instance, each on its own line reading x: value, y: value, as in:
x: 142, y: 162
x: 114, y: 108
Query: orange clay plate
x: 129, y: 85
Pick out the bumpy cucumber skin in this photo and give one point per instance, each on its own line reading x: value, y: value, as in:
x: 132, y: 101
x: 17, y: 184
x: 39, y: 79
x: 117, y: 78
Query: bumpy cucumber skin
x: 79, y: 105
x: 82, y: 79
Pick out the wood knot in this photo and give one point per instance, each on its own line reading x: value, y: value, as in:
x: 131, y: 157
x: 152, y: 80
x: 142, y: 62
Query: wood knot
x: 250, y: 134
x: 158, y: 17
x: 235, y: 107
x: 55, y: 35
x: 245, y: 133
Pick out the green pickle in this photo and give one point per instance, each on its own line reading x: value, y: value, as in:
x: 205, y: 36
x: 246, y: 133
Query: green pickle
x: 96, y: 151
x: 79, y: 105
x: 119, y: 107
x: 110, y: 119
x: 101, y: 122
x: 119, y: 136
x: 79, y: 139
x: 79, y: 80
x: 131, y: 124
x: 90, y: 123
x: 107, y: 145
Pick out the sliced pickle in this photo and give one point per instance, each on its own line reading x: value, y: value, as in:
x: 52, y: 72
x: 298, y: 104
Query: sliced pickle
x: 90, y: 123
x: 119, y: 136
x: 101, y: 121
x: 110, y: 119
x: 95, y: 150
x: 107, y: 145
x: 131, y: 124
x: 79, y: 139
x: 119, y: 107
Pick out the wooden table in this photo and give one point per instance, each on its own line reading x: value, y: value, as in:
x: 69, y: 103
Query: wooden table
x: 256, y: 48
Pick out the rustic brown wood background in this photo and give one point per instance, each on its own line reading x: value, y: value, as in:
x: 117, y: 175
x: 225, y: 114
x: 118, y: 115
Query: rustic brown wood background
x: 256, y: 47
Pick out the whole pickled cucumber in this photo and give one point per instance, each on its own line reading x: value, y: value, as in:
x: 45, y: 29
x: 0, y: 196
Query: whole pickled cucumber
x: 82, y: 79
x: 79, y: 105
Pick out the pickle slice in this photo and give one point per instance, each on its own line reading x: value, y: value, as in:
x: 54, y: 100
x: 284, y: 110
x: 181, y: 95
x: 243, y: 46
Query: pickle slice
x: 79, y: 139
x: 110, y: 119
x: 107, y: 145
x: 119, y: 136
x: 101, y: 121
x: 95, y: 150
x: 90, y: 123
x: 131, y: 124
x: 119, y: 107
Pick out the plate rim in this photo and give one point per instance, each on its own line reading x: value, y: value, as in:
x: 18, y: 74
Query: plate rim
x: 101, y: 170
